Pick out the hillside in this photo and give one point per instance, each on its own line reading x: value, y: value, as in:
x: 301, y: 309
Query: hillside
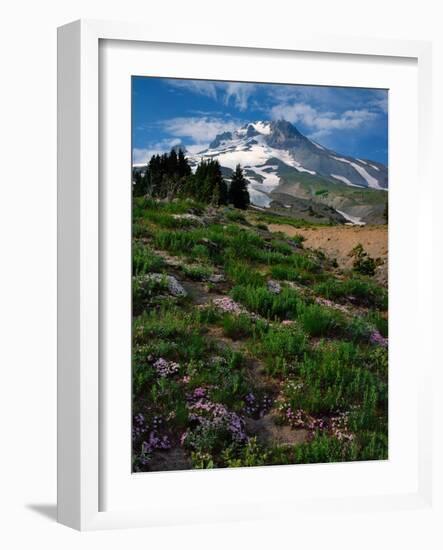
x: 251, y: 345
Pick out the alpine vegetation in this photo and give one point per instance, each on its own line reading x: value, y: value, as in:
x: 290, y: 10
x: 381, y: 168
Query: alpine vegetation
x: 259, y: 285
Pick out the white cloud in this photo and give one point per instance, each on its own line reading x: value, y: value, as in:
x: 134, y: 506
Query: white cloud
x: 239, y: 93
x: 321, y: 123
x: 143, y: 155
x: 201, y: 130
x: 200, y: 87
x: 236, y: 92
x: 381, y: 103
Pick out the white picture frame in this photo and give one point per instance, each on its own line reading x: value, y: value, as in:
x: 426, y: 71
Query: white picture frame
x: 81, y: 412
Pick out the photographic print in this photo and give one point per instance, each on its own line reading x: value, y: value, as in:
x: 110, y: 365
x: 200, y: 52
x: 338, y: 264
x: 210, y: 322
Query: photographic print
x: 259, y: 274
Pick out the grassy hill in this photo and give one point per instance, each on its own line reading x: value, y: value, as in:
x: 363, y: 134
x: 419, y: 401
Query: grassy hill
x: 248, y: 347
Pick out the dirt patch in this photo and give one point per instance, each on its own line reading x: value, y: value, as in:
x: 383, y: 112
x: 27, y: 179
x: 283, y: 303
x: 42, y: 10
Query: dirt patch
x: 172, y: 459
x: 338, y: 241
x: 268, y: 432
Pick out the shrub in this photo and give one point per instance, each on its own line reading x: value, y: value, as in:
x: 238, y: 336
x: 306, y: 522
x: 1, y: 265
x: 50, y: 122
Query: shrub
x: 239, y: 326
x: 282, y: 348
x: 321, y: 321
x: 298, y: 239
x: 144, y: 260
x: 282, y: 247
x: 364, y: 291
x: 235, y: 216
x: 197, y: 272
x: 380, y: 323
x: 273, y: 306
x: 363, y: 263
x: 241, y: 273
x: 288, y: 273
x: 335, y: 379
x: 324, y: 448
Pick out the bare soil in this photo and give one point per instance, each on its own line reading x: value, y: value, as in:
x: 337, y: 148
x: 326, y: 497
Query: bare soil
x: 269, y: 432
x: 338, y: 241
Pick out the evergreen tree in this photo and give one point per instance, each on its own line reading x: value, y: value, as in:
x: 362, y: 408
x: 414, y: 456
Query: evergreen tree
x: 165, y: 176
x: 138, y: 184
x: 238, y: 190
x: 184, y: 169
x: 209, y: 185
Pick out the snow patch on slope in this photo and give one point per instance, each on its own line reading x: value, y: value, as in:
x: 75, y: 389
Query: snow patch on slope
x: 352, y: 219
x: 371, y: 181
x: 317, y: 145
x: 345, y: 180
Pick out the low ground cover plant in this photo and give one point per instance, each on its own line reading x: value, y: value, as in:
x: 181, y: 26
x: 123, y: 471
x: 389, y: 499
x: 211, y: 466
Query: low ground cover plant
x: 261, y: 335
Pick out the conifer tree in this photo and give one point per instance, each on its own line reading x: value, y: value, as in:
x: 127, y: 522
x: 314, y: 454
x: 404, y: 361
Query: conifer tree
x: 209, y: 185
x: 184, y: 169
x: 238, y: 194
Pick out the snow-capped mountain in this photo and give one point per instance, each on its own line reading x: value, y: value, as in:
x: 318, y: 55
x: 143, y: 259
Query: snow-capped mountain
x: 278, y: 159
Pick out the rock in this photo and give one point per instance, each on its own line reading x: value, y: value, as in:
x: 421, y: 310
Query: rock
x: 191, y: 218
x: 174, y: 287
x: 216, y: 278
x: 274, y: 287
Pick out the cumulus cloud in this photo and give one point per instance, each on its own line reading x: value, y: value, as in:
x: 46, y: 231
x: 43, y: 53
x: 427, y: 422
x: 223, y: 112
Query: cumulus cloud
x: 143, y: 155
x: 322, y: 123
x: 201, y: 130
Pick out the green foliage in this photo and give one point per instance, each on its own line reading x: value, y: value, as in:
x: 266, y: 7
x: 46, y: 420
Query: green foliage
x: 360, y: 290
x: 165, y: 176
x: 238, y: 194
x: 289, y: 273
x: 274, y: 218
x: 321, y: 321
x: 322, y: 449
x: 207, y: 184
x: 285, y: 305
x: 235, y: 216
x: 144, y: 260
x: 335, y: 379
x: 197, y: 272
x: 251, y: 454
x: 282, y: 348
x: 320, y: 360
x: 241, y: 326
x: 146, y: 291
x: 379, y: 321
x: 241, y: 273
x: 363, y: 263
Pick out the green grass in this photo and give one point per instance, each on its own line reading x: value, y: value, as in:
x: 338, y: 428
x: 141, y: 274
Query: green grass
x: 197, y: 272
x: 144, y: 260
x: 321, y: 361
x: 270, y: 218
x: 239, y: 327
x: 359, y: 290
x: 321, y: 321
x: 289, y: 273
x: 333, y: 381
x: 272, y: 306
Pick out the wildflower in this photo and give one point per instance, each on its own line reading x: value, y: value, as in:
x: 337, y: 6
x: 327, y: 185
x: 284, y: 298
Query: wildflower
x: 228, y: 305
x: 377, y: 339
x: 165, y: 368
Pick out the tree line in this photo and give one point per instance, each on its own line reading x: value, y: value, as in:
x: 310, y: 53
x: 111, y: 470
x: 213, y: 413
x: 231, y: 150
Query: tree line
x: 169, y: 175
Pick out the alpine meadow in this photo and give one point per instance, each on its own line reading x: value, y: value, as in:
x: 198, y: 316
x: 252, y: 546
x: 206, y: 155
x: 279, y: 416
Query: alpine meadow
x: 259, y: 274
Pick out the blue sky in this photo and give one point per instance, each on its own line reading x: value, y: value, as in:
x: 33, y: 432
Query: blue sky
x: 168, y: 112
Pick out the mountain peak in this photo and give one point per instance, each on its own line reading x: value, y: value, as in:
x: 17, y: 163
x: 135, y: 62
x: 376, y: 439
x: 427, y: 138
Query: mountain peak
x: 284, y: 128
